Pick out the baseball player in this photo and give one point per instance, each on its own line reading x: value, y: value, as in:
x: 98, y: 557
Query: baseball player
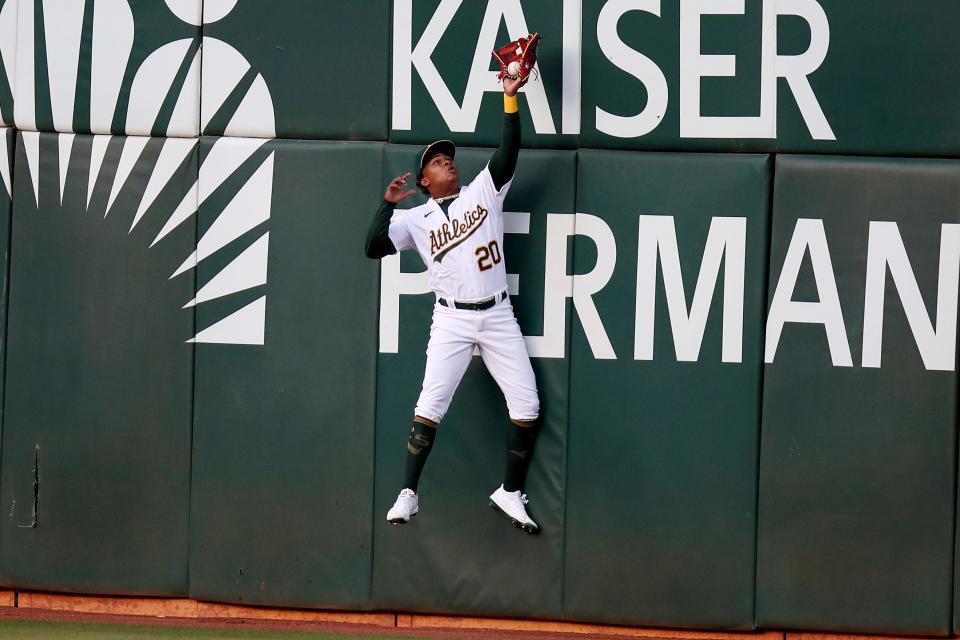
x: 458, y: 233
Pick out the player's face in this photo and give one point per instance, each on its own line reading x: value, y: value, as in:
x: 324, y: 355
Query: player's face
x: 440, y: 175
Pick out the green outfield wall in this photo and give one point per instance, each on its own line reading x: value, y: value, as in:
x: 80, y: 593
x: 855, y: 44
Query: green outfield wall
x: 669, y: 472
x: 866, y: 447
x: 732, y: 245
x: 97, y: 408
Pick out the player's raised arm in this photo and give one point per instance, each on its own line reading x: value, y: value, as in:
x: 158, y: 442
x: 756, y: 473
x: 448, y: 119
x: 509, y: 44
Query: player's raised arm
x: 378, y: 236
x: 517, y: 60
x: 504, y: 160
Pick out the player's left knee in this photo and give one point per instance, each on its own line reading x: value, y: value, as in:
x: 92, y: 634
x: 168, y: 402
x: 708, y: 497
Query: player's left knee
x: 527, y: 415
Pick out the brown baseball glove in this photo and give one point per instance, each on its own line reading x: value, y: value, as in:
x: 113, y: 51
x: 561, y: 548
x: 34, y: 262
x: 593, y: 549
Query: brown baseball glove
x: 518, y: 57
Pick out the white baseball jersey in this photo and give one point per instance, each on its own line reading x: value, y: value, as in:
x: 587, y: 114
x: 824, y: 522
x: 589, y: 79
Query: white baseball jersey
x: 462, y: 252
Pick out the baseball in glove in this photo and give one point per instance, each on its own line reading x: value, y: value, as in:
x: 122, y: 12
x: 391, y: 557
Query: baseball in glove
x: 518, y: 57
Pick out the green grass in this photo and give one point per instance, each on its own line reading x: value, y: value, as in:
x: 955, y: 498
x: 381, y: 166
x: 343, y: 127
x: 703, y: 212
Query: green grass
x: 40, y: 630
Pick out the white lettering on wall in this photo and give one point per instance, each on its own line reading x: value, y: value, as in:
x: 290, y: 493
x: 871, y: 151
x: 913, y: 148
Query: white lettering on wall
x: 885, y: 250
x: 934, y: 333
x: 463, y: 115
x: 637, y: 65
x: 558, y: 286
x: 585, y: 285
x: 726, y: 242
x: 808, y: 235
x: 408, y: 57
x: 695, y: 65
x: 796, y: 69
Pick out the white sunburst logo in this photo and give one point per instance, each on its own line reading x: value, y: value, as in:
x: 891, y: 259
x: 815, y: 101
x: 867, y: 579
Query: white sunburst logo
x: 159, y: 81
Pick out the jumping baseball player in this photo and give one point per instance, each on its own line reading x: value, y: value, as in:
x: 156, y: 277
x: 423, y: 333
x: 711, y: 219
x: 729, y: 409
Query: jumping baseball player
x: 459, y: 235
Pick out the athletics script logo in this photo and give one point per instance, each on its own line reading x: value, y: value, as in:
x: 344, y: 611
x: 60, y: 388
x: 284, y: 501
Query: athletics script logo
x: 78, y: 67
x: 445, y: 238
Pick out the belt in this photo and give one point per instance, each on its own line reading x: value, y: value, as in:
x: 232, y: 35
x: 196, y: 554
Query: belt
x: 473, y: 306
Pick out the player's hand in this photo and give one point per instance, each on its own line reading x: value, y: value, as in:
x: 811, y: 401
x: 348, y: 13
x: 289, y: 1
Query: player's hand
x: 510, y: 87
x: 395, y: 192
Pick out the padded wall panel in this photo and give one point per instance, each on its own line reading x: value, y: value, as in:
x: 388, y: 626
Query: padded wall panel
x: 294, y: 69
x: 455, y: 93
x: 857, y: 468
x: 956, y: 563
x: 108, y: 67
x: 458, y: 555
x: 283, y: 446
x: 96, y: 450
x: 8, y: 138
x: 8, y: 58
x: 663, y: 445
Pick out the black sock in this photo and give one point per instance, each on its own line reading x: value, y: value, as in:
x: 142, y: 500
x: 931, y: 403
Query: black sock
x: 419, y: 445
x: 519, y: 451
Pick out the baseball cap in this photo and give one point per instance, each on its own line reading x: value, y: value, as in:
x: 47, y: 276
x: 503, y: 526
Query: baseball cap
x: 440, y: 146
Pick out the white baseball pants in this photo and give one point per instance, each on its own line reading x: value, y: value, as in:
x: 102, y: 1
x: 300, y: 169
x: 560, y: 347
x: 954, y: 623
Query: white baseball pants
x: 495, y: 332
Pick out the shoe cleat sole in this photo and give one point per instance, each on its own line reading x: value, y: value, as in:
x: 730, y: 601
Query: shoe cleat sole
x: 531, y: 529
x: 401, y: 520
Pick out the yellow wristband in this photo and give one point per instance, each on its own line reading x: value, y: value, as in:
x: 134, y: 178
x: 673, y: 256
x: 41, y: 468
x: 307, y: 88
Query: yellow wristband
x: 510, y: 104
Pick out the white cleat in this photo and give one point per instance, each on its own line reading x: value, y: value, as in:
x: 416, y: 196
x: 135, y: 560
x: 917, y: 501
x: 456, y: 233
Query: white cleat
x: 406, y: 506
x: 511, y: 504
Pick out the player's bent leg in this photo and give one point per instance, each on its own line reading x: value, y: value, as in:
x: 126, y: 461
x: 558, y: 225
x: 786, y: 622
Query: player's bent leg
x: 521, y: 437
x: 448, y: 354
x: 449, y: 350
x: 504, y: 352
x: 509, y: 498
x: 419, y: 444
